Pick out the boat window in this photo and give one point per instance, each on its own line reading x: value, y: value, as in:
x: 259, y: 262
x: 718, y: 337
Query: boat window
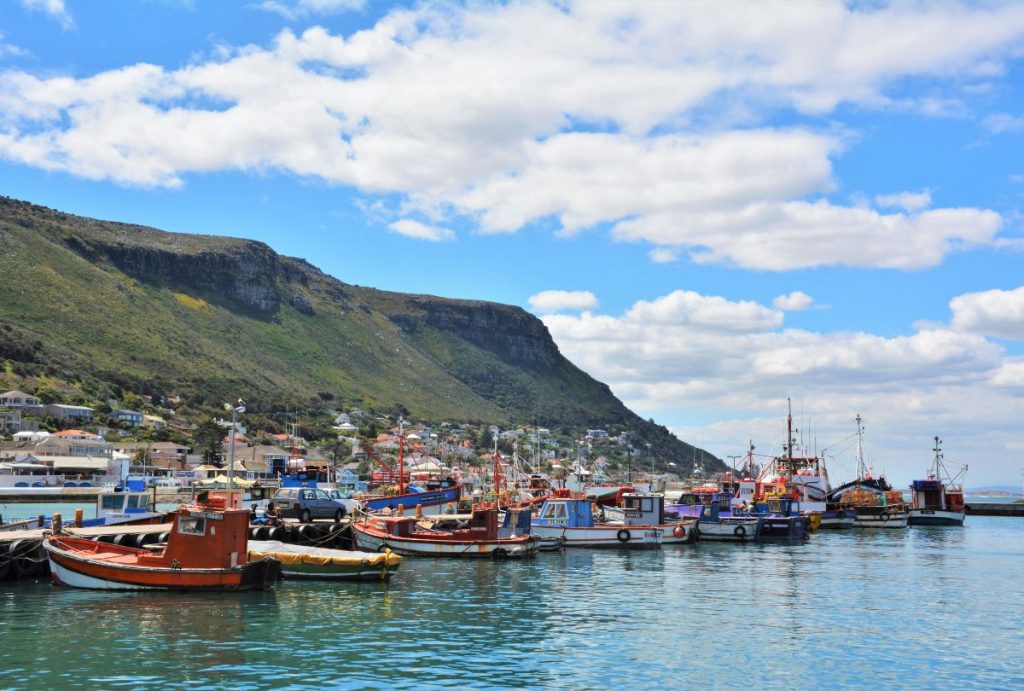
x: 112, y: 501
x: 192, y: 525
x: 555, y: 511
x: 632, y: 502
x: 133, y: 501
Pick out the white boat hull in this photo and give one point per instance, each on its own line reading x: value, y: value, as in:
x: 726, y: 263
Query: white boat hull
x: 601, y: 536
x: 729, y: 531
x: 883, y: 520
x: 372, y: 543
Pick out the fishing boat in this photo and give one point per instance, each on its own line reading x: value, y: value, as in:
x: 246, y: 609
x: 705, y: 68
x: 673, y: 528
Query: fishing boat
x: 405, y: 535
x: 125, y: 504
x: 642, y: 510
x: 873, y: 501
x: 206, y: 550
x: 939, y: 499
x: 714, y: 527
x: 570, y: 520
x: 307, y: 562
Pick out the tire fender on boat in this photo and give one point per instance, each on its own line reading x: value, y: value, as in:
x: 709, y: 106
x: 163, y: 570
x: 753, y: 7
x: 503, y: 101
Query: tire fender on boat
x: 840, y: 514
x: 623, y: 536
x: 885, y: 516
x: 740, y: 530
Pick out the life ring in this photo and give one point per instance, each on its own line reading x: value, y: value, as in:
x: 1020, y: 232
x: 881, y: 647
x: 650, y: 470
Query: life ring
x: 885, y: 516
x: 623, y: 535
x: 679, y: 532
x: 740, y: 530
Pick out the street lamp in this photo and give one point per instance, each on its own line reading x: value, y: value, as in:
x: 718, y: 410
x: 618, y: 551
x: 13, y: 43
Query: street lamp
x: 235, y: 410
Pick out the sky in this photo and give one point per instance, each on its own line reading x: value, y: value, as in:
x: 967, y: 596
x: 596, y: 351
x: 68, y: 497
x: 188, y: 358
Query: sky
x: 715, y: 208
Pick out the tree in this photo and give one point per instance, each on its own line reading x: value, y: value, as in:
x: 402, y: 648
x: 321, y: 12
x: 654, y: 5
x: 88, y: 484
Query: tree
x: 485, y: 440
x: 209, y: 438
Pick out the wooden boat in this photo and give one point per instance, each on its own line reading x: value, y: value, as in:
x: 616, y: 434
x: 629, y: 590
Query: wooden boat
x: 570, y: 520
x: 938, y: 500
x: 405, y: 535
x: 206, y: 550
x: 320, y: 563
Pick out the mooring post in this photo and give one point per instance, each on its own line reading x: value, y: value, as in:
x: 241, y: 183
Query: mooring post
x: 56, y: 524
x: 78, y: 518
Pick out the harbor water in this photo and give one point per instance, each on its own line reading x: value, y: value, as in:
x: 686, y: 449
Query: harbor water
x: 917, y: 608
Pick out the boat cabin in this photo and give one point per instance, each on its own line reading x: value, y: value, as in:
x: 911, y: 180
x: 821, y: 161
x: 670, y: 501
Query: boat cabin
x: 643, y: 509
x: 116, y: 504
x: 515, y: 522
x: 565, y: 513
x: 205, y: 535
x: 483, y: 525
x: 932, y: 495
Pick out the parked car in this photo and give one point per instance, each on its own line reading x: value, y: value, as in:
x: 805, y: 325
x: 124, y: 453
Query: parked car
x: 306, y: 504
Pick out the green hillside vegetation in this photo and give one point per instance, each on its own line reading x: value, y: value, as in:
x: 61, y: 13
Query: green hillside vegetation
x: 91, y: 310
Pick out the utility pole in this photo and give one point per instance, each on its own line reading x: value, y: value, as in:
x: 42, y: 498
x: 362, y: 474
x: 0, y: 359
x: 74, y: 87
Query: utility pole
x: 235, y: 410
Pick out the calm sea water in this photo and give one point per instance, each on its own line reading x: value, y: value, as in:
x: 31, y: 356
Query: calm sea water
x: 921, y: 608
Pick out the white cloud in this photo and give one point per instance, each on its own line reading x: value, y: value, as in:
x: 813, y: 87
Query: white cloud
x: 421, y: 231
x: 297, y: 9
x: 998, y: 313
x: 663, y: 255
x: 908, y: 387
x: 713, y: 313
x: 10, y: 49
x: 908, y: 201
x: 54, y: 8
x: 797, y: 301
x: 1004, y: 122
x: 558, y: 300
x: 614, y: 130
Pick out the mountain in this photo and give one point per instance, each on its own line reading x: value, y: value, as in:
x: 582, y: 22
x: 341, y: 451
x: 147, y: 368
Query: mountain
x: 112, y: 307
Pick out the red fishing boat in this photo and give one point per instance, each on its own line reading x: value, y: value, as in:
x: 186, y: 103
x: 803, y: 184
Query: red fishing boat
x: 484, y: 537
x: 207, y: 549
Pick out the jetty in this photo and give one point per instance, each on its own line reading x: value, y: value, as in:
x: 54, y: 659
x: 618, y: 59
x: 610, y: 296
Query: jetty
x: 994, y: 508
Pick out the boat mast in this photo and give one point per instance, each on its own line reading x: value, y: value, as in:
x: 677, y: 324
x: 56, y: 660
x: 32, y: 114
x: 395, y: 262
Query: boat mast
x: 861, y: 469
x: 938, y: 456
x: 401, y: 450
x: 789, y: 439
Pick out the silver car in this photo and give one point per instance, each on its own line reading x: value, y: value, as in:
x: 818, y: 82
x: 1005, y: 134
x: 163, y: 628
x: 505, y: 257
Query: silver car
x: 306, y: 503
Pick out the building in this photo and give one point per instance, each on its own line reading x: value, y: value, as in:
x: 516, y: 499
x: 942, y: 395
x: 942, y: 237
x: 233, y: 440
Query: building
x: 131, y: 417
x: 10, y: 421
x: 18, y: 399
x: 153, y: 422
x: 67, y: 412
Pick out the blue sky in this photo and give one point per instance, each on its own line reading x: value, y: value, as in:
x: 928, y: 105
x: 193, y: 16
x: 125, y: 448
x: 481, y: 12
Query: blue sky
x: 713, y: 206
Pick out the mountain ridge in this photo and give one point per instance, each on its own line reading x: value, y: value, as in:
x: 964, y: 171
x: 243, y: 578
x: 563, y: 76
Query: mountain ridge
x: 208, y: 318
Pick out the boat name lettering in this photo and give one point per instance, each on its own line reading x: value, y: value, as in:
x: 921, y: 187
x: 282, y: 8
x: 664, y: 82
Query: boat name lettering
x: 207, y: 514
x: 632, y: 514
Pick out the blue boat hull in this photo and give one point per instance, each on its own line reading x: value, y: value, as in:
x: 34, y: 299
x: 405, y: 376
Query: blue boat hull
x: 411, y: 501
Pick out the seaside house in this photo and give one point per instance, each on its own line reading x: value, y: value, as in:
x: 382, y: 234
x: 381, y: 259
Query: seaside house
x: 131, y: 417
x: 67, y: 412
x: 18, y: 399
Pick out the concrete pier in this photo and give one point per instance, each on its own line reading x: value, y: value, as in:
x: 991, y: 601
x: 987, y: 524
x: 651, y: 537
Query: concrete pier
x: 993, y: 508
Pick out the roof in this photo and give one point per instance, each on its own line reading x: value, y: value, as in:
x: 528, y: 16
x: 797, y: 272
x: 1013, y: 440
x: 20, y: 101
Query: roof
x: 78, y: 462
x: 15, y: 392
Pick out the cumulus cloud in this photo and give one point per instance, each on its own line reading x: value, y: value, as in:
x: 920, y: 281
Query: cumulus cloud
x: 558, y: 300
x: 663, y: 255
x: 909, y: 387
x: 421, y: 231
x: 428, y: 105
x: 998, y: 313
x: 55, y: 9
x: 797, y: 301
